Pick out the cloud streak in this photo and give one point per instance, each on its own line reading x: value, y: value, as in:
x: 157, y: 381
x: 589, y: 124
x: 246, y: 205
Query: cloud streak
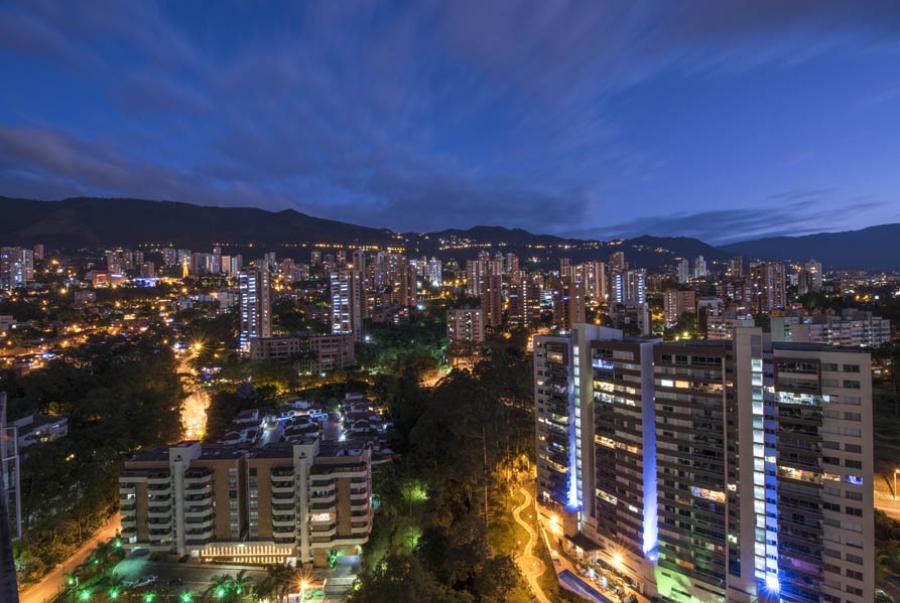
x: 407, y: 115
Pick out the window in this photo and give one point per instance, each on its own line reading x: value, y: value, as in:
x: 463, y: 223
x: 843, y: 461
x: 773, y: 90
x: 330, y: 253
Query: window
x: 850, y: 384
x: 854, y: 574
x: 851, y: 368
x: 854, y: 511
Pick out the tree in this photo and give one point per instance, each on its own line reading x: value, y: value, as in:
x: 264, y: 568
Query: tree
x: 279, y: 581
x: 219, y: 587
x: 498, y: 577
x: 403, y: 578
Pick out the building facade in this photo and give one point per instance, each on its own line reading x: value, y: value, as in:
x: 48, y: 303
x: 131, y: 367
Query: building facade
x: 297, y: 503
x: 710, y: 471
x: 465, y: 325
x: 256, y: 306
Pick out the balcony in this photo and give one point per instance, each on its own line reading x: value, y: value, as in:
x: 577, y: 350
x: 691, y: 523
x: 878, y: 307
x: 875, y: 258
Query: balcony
x: 283, y: 531
x: 160, y: 513
x: 160, y: 490
x: 329, y: 499
x: 283, y: 521
x: 287, y: 471
x: 197, y: 476
x: 197, y: 523
x: 129, y: 522
x: 199, y: 533
x: 195, y: 511
x: 198, y: 499
x: 283, y: 488
x: 158, y: 479
x: 197, y: 489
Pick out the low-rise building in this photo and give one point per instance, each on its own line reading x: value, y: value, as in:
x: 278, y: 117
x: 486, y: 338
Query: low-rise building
x: 852, y: 328
x: 40, y: 429
x: 320, y: 353
x: 465, y: 325
x: 297, y: 503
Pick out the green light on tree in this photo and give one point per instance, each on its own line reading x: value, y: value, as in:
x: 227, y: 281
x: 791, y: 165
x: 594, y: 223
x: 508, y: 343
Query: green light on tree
x: 186, y: 597
x: 114, y: 594
x: 84, y: 595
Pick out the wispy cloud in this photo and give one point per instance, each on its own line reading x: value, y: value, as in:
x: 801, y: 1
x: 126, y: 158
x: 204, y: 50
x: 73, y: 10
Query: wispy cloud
x: 407, y: 115
x: 799, y: 213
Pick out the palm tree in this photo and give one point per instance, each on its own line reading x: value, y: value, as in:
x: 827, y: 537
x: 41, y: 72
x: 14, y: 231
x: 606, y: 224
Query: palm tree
x: 219, y: 587
x: 242, y: 585
x: 280, y: 580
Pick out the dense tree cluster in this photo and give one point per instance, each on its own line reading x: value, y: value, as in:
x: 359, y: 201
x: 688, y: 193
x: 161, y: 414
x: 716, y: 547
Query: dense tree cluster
x: 442, y: 530
x: 120, y: 396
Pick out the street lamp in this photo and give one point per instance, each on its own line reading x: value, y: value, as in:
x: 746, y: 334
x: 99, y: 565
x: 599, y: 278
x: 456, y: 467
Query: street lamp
x: 304, y: 584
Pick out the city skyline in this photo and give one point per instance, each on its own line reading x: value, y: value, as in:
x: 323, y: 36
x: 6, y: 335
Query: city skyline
x: 425, y: 117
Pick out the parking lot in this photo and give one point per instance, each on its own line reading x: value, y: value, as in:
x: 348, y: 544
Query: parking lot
x: 197, y: 577
x: 194, y: 577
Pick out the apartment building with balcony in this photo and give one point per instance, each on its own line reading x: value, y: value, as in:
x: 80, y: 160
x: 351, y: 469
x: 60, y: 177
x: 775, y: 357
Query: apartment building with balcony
x: 715, y: 471
x: 285, y: 503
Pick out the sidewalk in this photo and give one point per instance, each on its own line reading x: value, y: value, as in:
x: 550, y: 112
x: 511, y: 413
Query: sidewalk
x: 52, y: 583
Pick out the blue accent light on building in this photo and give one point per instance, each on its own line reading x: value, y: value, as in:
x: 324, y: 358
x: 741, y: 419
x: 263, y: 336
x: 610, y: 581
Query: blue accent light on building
x: 773, y: 584
x: 573, y: 496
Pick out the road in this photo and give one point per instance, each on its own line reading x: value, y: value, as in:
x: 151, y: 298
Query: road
x: 194, y: 577
x: 530, y: 566
x: 52, y: 583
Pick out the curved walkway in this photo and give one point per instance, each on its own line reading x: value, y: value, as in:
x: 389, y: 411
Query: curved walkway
x: 530, y: 566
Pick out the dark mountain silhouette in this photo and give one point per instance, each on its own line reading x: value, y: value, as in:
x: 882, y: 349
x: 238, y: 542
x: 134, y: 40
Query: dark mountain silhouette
x: 85, y: 222
x: 95, y: 222
x: 873, y: 248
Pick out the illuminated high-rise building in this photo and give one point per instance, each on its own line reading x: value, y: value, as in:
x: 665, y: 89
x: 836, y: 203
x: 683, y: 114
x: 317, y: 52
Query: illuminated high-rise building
x: 630, y: 287
x: 594, y: 275
x: 767, y: 287
x: 700, y: 269
x: 724, y: 471
x: 683, y: 271
x: 346, y: 302
x: 256, y: 311
x: 16, y: 267
x: 810, y: 278
x: 492, y: 300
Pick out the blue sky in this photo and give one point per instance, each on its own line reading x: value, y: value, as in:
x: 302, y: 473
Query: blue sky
x: 720, y: 120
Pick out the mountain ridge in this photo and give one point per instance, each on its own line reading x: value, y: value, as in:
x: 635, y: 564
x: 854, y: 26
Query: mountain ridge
x: 94, y: 221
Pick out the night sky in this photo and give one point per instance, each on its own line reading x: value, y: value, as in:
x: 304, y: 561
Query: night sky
x: 720, y: 120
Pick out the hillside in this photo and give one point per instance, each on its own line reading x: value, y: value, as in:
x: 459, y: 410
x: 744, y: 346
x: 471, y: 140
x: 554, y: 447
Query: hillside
x: 93, y: 222
x: 85, y: 222
x: 873, y: 248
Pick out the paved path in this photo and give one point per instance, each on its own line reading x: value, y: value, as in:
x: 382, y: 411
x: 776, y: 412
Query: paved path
x: 52, y: 583
x: 530, y: 566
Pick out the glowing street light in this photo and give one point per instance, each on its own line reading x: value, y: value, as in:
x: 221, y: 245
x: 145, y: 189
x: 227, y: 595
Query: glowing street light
x: 304, y: 584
